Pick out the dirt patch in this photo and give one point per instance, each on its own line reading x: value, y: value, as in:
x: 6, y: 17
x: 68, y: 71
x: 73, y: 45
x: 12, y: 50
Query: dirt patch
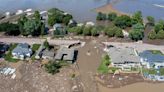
x: 119, y: 80
x: 35, y: 79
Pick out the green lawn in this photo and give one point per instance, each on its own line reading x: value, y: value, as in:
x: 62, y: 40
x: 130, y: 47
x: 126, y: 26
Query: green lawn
x: 103, y: 68
x: 35, y: 47
x: 156, y: 52
x: 161, y: 71
x: 8, y: 56
x: 149, y: 71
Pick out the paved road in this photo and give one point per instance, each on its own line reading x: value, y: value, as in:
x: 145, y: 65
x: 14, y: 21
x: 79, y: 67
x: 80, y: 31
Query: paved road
x: 37, y: 41
x: 138, y: 46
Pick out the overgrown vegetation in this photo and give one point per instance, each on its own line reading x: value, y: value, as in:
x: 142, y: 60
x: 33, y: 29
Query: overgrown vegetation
x: 103, y: 68
x: 54, y: 67
x: 57, y: 16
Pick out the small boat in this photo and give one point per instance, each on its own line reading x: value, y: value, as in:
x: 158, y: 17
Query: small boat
x: 162, y: 6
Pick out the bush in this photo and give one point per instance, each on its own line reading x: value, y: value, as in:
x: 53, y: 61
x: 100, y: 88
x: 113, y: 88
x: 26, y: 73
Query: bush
x: 101, y: 16
x: 119, y: 33
x: 103, y: 68
x: 52, y: 67
x: 136, y: 35
x: 160, y: 34
x: 112, y: 16
x: 152, y: 35
x: 123, y: 21
x: 87, y: 31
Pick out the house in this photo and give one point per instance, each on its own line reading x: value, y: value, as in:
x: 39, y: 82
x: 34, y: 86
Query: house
x: 124, y: 58
x: 59, y: 29
x: 151, y: 60
x: 57, y: 26
x: 46, y: 54
x: 65, y: 54
x: 22, y: 51
x: 72, y: 23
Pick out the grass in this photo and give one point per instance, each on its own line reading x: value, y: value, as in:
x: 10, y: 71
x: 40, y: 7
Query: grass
x: 103, y: 68
x: 149, y: 71
x: 161, y: 71
x: 35, y: 47
x: 8, y: 56
x: 156, y: 52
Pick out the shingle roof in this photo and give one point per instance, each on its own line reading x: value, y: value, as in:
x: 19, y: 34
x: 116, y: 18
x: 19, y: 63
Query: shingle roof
x: 22, y: 49
x: 65, y: 54
x: 118, y: 55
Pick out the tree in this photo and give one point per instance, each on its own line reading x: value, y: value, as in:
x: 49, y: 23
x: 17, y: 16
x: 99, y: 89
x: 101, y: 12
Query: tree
x: 151, y: 20
x: 110, y: 31
x: 46, y: 44
x: 136, y: 34
x: 119, y: 33
x: 87, y: 31
x: 123, y: 21
x: 152, y: 35
x: 52, y: 67
x: 43, y: 29
x: 158, y: 27
x: 28, y: 27
x: 67, y: 18
x: 137, y: 17
x: 138, y: 26
x: 10, y: 29
x: 112, y: 16
x: 160, y: 34
x: 94, y: 32
x: 101, y: 16
x: 37, y: 15
x: 77, y: 30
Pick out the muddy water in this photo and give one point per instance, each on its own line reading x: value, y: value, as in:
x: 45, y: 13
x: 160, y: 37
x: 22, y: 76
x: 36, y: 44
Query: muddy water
x: 82, y: 10
x: 138, y: 87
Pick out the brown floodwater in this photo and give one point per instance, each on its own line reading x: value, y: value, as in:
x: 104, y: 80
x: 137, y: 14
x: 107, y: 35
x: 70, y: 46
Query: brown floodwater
x: 137, y: 87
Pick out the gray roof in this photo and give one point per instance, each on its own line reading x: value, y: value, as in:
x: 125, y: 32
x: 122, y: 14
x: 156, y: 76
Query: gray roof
x: 65, y: 54
x: 48, y: 53
x: 22, y: 49
x: 119, y: 55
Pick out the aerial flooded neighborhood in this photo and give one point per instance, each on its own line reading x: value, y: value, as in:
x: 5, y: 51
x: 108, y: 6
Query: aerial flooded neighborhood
x: 81, y: 46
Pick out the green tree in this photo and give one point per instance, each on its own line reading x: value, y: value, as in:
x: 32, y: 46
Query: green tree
x: 119, y: 33
x: 112, y: 16
x: 101, y: 16
x: 110, y: 31
x: 152, y: 35
x: 160, y: 34
x: 94, y: 32
x: 87, y: 31
x: 76, y: 30
x: 138, y: 26
x: 43, y: 29
x: 67, y: 18
x: 46, y: 44
x: 52, y: 67
x: 151, y: 20
x: 136, y: 35
x: 137, y: 17
x: 123, y: 21
x: 37, y: 15
x: 158, y: 27
x: 28, y: 27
